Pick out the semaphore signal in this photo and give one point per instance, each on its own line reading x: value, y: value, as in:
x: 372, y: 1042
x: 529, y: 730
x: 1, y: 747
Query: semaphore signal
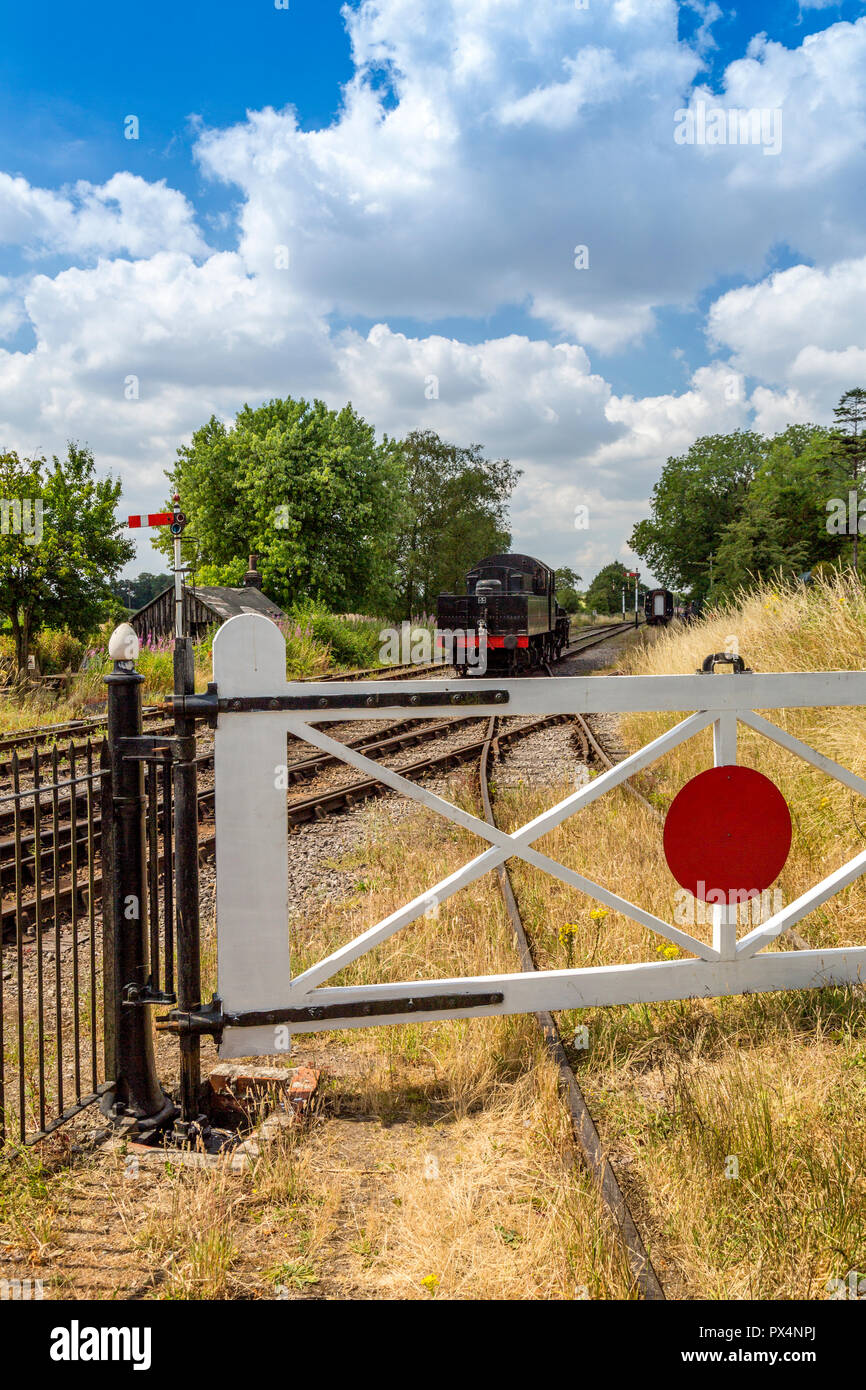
x: 151, y: 519
x: 175, y: 520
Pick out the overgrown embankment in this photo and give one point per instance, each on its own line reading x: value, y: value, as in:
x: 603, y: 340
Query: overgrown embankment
x: 738, y: 1124
x: 317, y: 642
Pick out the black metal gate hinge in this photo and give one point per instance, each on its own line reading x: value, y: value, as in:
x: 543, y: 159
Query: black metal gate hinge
x: 146, y: 994
x: 144, y: 747
x: 211, y: 1019
x: 211, y: 704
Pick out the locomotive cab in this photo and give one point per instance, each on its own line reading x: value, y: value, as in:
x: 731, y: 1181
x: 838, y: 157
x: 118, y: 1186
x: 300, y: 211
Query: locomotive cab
x: 509, y: 619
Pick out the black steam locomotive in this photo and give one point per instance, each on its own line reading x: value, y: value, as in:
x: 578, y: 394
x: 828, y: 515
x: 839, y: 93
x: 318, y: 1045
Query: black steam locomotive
x: 658, y: 607
x: 508, y: 620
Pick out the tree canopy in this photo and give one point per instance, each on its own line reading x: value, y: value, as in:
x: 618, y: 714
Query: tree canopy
x: 740, y: 507
x: 781, y: 526
x: 697, y: 496
x: 61, y: 544
x: 850, y: 437
x: 454, y: 513
x: 604, y: 594
x: 135, y: 593
x: 310, y: 489
x: 568, y: 596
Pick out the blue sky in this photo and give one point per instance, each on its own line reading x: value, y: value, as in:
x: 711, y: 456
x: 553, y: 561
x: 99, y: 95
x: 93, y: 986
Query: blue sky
x: 430, y: 168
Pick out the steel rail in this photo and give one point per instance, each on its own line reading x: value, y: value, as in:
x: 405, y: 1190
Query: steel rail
x: 401, y: 734
x: 56, y: 843
x: 582, y: 1124
x: 45, y: 732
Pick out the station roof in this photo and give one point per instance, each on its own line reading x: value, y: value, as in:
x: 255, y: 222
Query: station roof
x: 228, y: 603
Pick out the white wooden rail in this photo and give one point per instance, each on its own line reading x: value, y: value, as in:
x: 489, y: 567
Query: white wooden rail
x: 252, y: 846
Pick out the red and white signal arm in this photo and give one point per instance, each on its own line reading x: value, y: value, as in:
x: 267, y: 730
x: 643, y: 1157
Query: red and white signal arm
x: 151, y: 519
x: 174, y: 520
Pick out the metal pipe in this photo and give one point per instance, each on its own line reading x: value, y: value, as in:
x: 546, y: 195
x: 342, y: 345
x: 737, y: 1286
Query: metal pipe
x: 178, y: 590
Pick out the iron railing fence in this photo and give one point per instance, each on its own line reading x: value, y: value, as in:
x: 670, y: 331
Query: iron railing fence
x: 57, y: 1013
x: 51, y: 1058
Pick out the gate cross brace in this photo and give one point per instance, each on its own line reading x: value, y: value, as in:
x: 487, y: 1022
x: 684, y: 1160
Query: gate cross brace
x: 504, y: 846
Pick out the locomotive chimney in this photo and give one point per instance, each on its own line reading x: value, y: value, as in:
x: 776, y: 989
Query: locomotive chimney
x: 252, y: 578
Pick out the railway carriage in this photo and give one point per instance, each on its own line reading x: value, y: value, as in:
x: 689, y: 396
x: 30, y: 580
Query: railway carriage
x: 659, y: 607
x: 508, y: 619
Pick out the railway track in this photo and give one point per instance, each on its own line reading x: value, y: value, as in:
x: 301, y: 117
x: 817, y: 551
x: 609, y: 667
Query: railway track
x: 73, y: 728
x: 646, y: 1281
x: 46, y: 851
x: 48, y: 733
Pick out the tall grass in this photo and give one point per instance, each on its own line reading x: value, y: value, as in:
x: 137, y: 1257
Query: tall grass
x: 738, y: 1123
x: 781, y: 628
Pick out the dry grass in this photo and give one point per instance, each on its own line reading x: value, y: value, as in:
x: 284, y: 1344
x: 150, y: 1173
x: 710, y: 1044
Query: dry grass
x: 775, y: 1082
x: 442, y: 1166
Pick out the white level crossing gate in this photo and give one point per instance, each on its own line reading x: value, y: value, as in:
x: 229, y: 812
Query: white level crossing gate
x: 257, y: 708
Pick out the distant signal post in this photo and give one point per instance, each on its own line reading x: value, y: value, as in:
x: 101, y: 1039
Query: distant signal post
x: 176, y: 521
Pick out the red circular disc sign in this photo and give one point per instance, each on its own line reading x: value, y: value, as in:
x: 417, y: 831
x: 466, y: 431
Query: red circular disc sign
x: 728, y: 828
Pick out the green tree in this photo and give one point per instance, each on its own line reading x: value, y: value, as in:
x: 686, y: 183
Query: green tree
x: 698, y: 494
x: 566, y: 578
x: 310, y: 489
x: 568, y: 595
x: 782, y: 524
x: 455, y: 514
x: 60, y: 545
x: 604, y: 594
x: 135, y: 593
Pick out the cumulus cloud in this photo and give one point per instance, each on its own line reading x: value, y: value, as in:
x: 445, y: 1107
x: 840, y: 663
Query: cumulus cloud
x: 766, y: 326
x: 505, y: 135
x: 475, y: 147
x: 124, y: 214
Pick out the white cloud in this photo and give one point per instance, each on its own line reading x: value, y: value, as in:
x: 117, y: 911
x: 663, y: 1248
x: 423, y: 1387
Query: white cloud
x: 766, y: 325
x: 124, y: 214
x: 503, y: 136
x: 658, y: 426
x: 594, y: 76
x: 519, y: 131
x: 802, y: 334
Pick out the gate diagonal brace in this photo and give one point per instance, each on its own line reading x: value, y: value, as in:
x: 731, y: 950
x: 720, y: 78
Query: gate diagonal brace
x: 212, y: 1019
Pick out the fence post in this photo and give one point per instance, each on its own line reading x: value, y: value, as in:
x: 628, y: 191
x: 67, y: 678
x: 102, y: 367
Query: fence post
x: 186, y: 888
x: 136, y: 1091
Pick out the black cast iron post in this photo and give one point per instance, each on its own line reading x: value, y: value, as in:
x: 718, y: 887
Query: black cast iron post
x: 186, y: 887
x: 137, y: 1092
